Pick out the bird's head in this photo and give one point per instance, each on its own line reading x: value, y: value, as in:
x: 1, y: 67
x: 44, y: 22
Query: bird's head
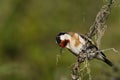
x: 62, y: 39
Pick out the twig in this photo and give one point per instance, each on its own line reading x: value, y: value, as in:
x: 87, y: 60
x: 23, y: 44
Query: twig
x: 113, y: 49
x: 75, y: 71
x: 100, y: 19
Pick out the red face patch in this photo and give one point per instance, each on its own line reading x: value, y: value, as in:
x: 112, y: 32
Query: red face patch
x: 63, y: 43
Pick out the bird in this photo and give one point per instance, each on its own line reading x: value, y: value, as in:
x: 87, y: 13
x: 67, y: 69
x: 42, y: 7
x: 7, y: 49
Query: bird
x: 79, y: 44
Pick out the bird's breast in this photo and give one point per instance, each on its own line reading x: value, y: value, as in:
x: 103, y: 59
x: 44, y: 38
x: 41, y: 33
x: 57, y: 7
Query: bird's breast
x: 75, y: 49
x: 76, y: 43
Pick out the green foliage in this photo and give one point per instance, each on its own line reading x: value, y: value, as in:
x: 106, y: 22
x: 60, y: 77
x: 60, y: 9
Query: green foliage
x: 27, y: 38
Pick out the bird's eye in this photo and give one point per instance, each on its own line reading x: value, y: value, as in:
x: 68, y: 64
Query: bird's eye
x: 58, y: 40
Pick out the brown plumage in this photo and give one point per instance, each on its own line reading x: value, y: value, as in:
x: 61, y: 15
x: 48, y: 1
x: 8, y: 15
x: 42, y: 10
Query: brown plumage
x: 76, y: 38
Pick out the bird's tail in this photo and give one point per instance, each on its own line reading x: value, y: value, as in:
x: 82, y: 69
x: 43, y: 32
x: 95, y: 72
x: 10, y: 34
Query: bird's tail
x: 107, y: 61
x: 102, y: 57
x: 114, y: 67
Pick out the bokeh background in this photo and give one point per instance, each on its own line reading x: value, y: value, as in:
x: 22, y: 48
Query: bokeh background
x: 27, y: 38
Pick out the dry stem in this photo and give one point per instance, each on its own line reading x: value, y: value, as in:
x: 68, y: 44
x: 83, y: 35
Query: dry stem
x: 98, y: 29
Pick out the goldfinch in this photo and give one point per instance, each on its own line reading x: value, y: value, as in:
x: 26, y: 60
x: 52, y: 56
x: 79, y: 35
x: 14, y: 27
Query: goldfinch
x: 79, y: 45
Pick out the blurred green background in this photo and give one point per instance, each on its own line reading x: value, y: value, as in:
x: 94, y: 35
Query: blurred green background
x: 27, y: 38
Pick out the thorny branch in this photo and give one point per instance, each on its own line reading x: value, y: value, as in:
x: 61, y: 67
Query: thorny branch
x: 97, y: 29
